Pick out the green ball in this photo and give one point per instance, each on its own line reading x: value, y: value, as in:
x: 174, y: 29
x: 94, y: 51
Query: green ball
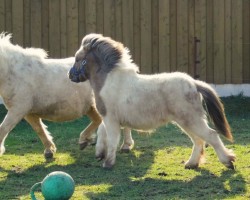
x: 58, y: 185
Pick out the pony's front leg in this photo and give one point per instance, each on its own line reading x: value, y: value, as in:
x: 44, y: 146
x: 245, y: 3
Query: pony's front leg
x: 9, y: 122
x: 128, y: 142
x: 101, y: 144
x: 86, y: 135
x: 113, y: 138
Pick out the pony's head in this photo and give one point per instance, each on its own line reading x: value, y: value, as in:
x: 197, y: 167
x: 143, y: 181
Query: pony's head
x: 97, y: 54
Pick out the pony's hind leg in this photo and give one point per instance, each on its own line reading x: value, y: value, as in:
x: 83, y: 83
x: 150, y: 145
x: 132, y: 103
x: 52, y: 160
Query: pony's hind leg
x: 44, y: 135
x: 200, y: 128
x: 128, y: 142
x: 197, y: 152
x: 86, y: 134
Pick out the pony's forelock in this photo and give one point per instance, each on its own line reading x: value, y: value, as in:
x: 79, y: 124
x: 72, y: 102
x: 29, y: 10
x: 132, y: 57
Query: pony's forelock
x: 113, y: 52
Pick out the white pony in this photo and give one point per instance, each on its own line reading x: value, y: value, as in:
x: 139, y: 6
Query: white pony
x: 36, y: 88
x: 144, y: 102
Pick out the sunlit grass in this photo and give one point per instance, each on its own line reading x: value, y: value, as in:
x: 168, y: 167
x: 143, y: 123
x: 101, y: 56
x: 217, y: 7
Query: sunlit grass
x: 153, y: 170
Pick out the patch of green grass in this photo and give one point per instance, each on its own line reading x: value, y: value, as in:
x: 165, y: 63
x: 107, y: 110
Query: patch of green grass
x: 153, y: 170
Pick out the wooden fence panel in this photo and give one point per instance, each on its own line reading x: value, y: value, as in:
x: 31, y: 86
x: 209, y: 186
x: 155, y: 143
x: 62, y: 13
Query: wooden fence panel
x: 72, y: 27
x: 228, y: 40
x: 17, y: 21
x: 193, y: 24
x: 26, y: 27
x: 109, y: 18
x: 237, y: 43
x: 164, y: 36
x: 137, y: 32
x: 127, y: 24
x: 246, y: 39
x: 2, y: 14
x: 54, y: 28
x: 36, y: 23
x: 173, y: 35
x: 219, y: 50
x: 155, y: 36
x: 182, y: 35
x: 210, y: 43
x: 159, y: 33
x: 146, y: 37
x: 8, y: 16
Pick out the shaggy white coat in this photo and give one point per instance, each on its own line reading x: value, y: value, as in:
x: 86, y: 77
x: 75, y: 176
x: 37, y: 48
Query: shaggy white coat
x: 145, y: 102
x: 35, y: 88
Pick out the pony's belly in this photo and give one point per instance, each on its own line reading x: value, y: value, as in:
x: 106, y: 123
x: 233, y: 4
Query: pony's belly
x: 58, y: 112
x: 60, y: 117
x: 144, y: 123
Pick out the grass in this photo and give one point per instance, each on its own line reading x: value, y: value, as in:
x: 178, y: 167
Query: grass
x: 153, y: 170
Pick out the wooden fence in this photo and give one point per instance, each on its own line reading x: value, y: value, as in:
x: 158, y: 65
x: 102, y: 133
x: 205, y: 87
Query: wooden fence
x: 208, y: 39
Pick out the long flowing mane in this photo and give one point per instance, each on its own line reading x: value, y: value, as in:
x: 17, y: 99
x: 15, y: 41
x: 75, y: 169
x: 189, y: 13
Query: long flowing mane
x: 112, y: 53
x: 7, y: 48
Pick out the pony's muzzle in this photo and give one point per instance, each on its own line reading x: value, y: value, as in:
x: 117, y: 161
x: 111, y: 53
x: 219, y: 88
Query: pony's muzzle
x: 77, y: 74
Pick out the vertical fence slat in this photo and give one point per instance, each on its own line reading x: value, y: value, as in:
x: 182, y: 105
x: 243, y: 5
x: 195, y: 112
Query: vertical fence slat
x: 164, y: 36
x: 81, y: 20
x: 17, y: 21
x: 127, y: 24
x: 118, y: 20
x: 8, y: 16
x: 219, y: 51
x: 210, y: 40
x: 90, y: 16
x: 2, y: 15
x: 146, y: 37
x: 193, y: 31
x: 228, y: 40
x: 137, y: 32
x: 173, y: 35
x: 182, y: 35
x: 203, y: 40
x: 54, y: 28
x: 155, y: 36
x: 246, y: 39
x: 72, y: 27
x: 109, y: 19
x: 36, y: 23
x: 45, y: 24
x: 26, y: 25
x: 63, y: 29
x: 99, y: 16
x: 237, y: 47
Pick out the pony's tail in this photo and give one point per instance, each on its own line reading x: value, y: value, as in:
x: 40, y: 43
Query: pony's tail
x: 215, y: 109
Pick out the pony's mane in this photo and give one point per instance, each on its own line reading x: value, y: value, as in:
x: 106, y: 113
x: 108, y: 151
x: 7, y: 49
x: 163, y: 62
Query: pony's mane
x: 6, y: 46
x: 113, y: 53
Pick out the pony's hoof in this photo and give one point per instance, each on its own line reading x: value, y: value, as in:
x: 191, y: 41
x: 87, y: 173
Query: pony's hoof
x: 100, y: 157
x: 230, y: 165
x: 48, y: 155
x: 83, y: 145
x: 107, y: 165
x: 188, y: 166
x: 125, y: 150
